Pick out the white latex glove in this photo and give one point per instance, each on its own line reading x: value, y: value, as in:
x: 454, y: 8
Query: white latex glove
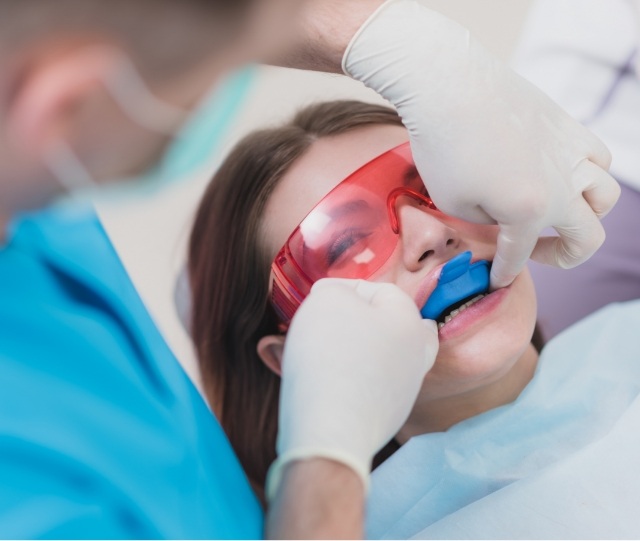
x: 354, y: 360
x: 490, y: 146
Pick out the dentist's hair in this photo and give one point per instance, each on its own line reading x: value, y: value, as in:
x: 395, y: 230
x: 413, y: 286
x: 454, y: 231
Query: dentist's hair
x: 229, y: 275
x: 163, y: 35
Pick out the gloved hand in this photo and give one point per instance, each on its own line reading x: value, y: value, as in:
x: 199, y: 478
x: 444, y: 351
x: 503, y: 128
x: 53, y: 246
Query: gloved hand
x: 490, y: 146
x: 354, y: 360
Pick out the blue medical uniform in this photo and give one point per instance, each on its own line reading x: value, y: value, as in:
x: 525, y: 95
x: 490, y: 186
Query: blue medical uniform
x: 102, y: 434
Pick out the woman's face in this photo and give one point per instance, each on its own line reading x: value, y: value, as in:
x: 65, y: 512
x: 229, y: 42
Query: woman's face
x: 480, y: 344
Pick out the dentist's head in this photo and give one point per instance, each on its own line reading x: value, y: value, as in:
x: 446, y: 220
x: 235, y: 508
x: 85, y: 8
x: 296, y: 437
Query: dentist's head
x: 94, y: 90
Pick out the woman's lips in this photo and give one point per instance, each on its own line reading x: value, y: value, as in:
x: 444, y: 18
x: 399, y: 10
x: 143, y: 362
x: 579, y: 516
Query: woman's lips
x: 469, y: 317
x: 474, y: 314
x: 428, y: 285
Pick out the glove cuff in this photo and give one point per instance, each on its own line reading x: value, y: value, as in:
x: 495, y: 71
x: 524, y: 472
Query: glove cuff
x: 274, y: 476
x: 417, y: 59
x: 355, y: 37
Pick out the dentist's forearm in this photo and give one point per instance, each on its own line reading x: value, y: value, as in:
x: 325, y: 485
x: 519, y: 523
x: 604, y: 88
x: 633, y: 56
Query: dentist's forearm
x: 324, y: 29
x: 317, y: 499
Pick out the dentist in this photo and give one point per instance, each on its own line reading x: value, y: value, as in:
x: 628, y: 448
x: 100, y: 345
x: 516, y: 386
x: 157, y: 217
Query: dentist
x: 101, y: 433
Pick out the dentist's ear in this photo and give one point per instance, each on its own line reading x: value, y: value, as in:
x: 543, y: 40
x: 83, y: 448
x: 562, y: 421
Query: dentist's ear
x: 50, y: 89
x: 270, y: 350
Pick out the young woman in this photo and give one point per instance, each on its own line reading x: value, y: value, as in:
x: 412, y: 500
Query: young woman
x: 335, y: 193
x: 265, y: 188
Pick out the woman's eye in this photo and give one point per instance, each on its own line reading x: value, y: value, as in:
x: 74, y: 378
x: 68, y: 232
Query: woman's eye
x: 343, y: 243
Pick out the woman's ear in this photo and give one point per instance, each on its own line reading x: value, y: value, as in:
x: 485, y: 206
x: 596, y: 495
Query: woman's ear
x: 270, y: 349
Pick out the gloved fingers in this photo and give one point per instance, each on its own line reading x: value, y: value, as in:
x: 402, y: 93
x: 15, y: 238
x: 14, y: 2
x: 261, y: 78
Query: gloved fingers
x: 598, y: 152
x: 514, y: 246
x: 373, y: 293
x: 464, y: 210
x: 578, y: 239
x: 600, y: 190
x: 385, y: 295
x: 431, y: 327
x: 331, y: 282
x: 363, y: 290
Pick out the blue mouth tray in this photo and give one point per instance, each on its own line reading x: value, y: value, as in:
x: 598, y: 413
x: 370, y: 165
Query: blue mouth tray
x: 458, y: 280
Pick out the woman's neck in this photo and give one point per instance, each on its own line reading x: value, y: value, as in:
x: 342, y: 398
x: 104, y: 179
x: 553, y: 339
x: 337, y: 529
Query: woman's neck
x: 440, y: 414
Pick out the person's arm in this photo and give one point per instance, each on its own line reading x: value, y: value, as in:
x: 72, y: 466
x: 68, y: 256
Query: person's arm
x: 343, y: 396
x: 318, y: 499
x: 323, y: 31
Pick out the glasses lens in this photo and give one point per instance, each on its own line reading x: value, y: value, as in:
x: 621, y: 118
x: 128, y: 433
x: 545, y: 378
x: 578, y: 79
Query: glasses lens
x: 348, y: 234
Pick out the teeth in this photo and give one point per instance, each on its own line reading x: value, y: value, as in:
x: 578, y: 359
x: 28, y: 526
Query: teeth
x: 462, y: 308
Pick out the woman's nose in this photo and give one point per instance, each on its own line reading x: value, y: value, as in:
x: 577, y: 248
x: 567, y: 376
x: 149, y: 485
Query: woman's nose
x: 426, y: 238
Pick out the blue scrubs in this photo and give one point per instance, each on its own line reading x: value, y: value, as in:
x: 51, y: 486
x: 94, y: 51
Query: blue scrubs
x: 102, y: 435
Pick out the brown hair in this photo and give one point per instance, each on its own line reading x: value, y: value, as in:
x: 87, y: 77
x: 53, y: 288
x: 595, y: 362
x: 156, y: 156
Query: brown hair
x: 229, y: 275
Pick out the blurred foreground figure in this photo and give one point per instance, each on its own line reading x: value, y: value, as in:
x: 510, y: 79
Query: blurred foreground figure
x: 102, y: 433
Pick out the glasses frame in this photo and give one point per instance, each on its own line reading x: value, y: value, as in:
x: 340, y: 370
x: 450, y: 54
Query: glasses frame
x: 290, y: 284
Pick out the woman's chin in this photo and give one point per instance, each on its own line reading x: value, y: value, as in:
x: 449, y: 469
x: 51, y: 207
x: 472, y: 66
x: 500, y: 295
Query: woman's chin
x: 483, y: 342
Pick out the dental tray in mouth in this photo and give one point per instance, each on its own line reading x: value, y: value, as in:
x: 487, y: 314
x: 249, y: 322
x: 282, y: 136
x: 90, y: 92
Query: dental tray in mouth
x: 459, y: 281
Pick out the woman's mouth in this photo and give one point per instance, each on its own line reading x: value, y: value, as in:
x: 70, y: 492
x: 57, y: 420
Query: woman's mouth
x: 460, y: 297
x: 457, y: 308
x: 460, y: 285
x: 470, y: 313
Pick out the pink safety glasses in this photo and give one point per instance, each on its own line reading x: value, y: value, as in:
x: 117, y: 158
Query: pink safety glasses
x: 351, y: 233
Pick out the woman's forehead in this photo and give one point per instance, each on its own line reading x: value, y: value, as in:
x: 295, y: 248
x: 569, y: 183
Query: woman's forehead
x: 326, y: 163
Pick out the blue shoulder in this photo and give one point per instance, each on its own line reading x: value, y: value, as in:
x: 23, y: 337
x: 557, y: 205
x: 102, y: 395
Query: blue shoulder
x: 100, y: 424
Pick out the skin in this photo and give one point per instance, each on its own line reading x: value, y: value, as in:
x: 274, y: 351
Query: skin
x: 481, y: 365
x: 330, y: 495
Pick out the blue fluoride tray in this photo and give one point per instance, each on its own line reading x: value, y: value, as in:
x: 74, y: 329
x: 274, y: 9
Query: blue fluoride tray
x: 458, y: 280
